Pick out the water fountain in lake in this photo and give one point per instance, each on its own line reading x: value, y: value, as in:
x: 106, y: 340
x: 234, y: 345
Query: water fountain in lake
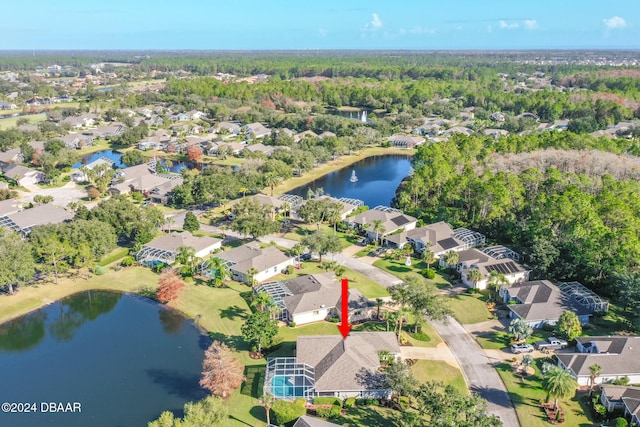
x: 353, y: 178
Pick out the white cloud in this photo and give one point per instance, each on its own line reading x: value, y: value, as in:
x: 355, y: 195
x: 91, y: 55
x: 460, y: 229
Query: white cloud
x: 508, y: 26
x: 530, y: 24
x: 376, y: 22
x: 614, y: 23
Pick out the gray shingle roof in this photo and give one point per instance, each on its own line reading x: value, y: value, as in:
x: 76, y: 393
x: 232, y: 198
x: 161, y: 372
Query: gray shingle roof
x: 342, y: 364
x: 246, y: 256
x: 542, y: 300
x: 307, y: 421
x: 619, y: 356
x: 173, y: 241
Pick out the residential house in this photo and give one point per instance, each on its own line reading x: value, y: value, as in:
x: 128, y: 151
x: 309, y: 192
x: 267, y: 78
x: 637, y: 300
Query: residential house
x: 154, y: 120
x: 22, y: 175
x: 267, y: 150
x: 438, y: 238
x: 195, y: 115
x: 235, y: 148
x: 314, y: 298
x: 459, y: 129
x: 104, y: 132
x: 391, y: 221
x: 229, y: 128
x: 326, y: 134
x: 267, y: 262
x: 406, y: 141
x: 23, y: 221
x: 347, y: 205
x: 179, y: 117
x: 307, y: 133
x: 83, y: 120
x: 11, y: 156
x: 75, y: 141
x: 80, y: 175
x: 488, y: 260
x: 166, y: 248
x: 9, y: 206
x: 162, y: 192
x: 625, y: 398
x: 330, y: 366
x: 560, y: 125
x: 307, y: 421
x: 540, y: 303
x: 496, y: 133
x: 143, y: 179
x: 618, y: 356
x: 7, y: 105
x: 256, y: 130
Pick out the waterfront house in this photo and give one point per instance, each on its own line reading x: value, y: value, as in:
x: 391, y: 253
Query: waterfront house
x: 391, y: 221
x: 267, y: 262
x: 166, y: 248
x: 23, y: 221
x: 495, y: 258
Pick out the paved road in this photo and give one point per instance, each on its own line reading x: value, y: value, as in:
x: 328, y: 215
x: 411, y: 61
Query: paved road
x: 478, y: 370
x: 374, y: 273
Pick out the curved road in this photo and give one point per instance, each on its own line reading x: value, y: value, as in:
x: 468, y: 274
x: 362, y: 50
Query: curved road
x: 480, y: 374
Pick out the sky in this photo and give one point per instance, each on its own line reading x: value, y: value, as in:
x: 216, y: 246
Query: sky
x: 328, y: 24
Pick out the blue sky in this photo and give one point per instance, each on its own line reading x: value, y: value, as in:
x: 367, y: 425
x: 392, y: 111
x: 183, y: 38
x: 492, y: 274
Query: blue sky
x: 328, y: 24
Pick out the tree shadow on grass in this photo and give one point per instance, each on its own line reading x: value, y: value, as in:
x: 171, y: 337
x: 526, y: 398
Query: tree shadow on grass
x: 232, y: 341
x: 234, y: 312
x: 258, y: 413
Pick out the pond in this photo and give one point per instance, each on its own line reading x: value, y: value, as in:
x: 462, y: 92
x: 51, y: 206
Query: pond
x: 377, y: 180
x: 124, y: 358
x: 176, y: 165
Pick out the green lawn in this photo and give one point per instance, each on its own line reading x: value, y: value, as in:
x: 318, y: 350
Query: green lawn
x: 11, y: 121
x: 398, y: 268
x: 113, y: 256
x: 468, y: 309
x: 501, y: 339
x: 368, y: 416
x: 526, y: 395
x: 437, y: 370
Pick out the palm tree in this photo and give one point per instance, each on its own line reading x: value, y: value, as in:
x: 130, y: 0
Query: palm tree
x: 378, y: 228
x: 474, y: 276
x: 496, y: 282
x: 243, y: 190
x: 452, y: 258
x: 339, y: 270
x: 285, y: 208
x: 267, y: 400
x: 298, y: 249
x: 379, y: 303
x: 594, y: 372
x: 335, y: 216
x: 559, y: 384
x: 187, y: 257
x: 262, y: 301
x: 428, y: 257
x: 250, y: 275
x: 271, y: 180
x: 169, y: 220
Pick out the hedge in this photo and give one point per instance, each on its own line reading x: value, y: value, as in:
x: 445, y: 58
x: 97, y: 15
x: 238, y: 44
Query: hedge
x: 286, y: 412
x: 327, y: 401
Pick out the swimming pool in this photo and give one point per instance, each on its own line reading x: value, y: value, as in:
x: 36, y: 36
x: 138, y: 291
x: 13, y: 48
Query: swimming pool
x: 282, y: 387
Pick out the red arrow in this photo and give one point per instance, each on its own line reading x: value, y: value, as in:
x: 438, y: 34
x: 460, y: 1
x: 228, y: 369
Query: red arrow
x: 345, y: 327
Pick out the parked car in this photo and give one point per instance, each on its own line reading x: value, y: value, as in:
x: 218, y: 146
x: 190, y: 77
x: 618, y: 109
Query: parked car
x: 551, y: 343
x: 521, y: 348
x: 305, y: 257
x: 146, y: 203
x: 377, y: 252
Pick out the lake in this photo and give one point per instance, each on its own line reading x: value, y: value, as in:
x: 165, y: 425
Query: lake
x: 176, y: 165
x: 378, y: 179
x: 124, y: 358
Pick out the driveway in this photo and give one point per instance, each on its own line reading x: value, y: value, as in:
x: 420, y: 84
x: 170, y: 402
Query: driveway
x: 478, y: 370
x: 374, y: 273
x: 62, y: 196
x: 442, y: 352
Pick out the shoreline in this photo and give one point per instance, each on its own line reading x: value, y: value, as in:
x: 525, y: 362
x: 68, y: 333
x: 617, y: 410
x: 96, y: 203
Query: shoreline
x: 334, y: 165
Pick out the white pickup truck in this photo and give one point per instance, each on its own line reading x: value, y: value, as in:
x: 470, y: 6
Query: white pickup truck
x: 551, y: 343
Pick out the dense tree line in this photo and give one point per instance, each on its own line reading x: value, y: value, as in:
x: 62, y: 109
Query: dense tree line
x: 570, y: 226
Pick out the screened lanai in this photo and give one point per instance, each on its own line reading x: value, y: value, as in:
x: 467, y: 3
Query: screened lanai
x: 585, y: 296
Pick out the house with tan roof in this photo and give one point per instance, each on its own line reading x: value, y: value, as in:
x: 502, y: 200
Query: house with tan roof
x: 625, y: 398
x: 618, y: 356
x: 13, y: 155
x: 166, y: 248
x: 438, y: 237
x: 267, y: 262
x: 496, y: 258
x: 314, y: 298
x: 331, y: 366
x: 256, y: 130
x: 392, y: 220
x: 406, y: 141
x: 22, y: 175
x: 307, y: 421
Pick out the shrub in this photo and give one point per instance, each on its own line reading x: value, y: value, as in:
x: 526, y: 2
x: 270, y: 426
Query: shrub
x: 373, y: 402
x: 323, y: 412
x: 361, y: 402
x: 421, y: 336
x: 473, y: 290
x: 286, y: 412
x: 600, y: 409
x: 292, y: 324
x: 327, y: 401
x: 127, y: 261
x: 289, y: 269
x: 404, y: 402
x: 100, y: 270
x: 430, y: 273
x: 621, y: 422
x: 300, y: 402
x: 334, y: 320
x: 335, y: 411
x: 548, y: 327
x: 350, y: 402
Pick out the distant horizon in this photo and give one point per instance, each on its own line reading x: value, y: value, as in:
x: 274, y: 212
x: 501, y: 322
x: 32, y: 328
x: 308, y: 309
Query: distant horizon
x: 554, y: 49
x: 327, y: 25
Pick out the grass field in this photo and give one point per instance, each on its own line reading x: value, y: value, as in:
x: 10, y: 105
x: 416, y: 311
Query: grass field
x: 437, y: 370
x: 468, y: 309
x: 526, y: 395
x: 12, y: 121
